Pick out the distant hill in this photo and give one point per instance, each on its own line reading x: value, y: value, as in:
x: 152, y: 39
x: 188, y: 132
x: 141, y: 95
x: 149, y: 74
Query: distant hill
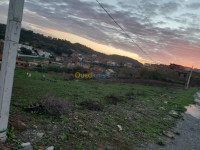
x: 59, y: 46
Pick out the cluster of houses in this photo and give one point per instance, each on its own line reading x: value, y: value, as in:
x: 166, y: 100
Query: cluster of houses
x: 88, y: 63
x: 75, y: 60
x: 182, y: 71
x: 36, y: 53
x: 92, y: 62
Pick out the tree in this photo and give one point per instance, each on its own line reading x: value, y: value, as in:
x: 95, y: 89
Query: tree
x: 25, y: 51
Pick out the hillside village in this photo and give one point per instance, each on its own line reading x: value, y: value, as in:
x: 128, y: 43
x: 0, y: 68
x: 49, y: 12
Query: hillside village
x: 36, y: 50
x: 42, y: 58
x: 25, y: 50
x: 91, y: 63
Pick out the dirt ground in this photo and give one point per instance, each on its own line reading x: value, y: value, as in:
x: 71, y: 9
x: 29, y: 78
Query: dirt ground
x: 187, y: 140
x: 189, y: 130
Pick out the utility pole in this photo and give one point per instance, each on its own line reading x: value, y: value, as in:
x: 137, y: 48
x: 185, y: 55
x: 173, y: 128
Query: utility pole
x: 11, y: 42
x: 188, y: 82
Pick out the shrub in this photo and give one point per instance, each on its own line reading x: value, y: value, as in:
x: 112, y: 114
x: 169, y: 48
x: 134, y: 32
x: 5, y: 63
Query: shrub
x: 54, y: 105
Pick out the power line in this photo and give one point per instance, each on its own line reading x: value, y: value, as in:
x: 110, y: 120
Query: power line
x: 128, y: 36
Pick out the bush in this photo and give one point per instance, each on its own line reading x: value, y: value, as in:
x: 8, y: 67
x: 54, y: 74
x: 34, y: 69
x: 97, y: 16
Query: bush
x: 54, y: 105
x: 159, y: 75
x: 26, y: 51
x: 53, y: 68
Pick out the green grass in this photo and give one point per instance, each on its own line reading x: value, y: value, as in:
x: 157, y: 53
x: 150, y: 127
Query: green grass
x: 29, y: 59
x: 141, y: 118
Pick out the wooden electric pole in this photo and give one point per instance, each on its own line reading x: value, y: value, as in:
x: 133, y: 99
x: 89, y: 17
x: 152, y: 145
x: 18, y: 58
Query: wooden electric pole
x: 11, y: 42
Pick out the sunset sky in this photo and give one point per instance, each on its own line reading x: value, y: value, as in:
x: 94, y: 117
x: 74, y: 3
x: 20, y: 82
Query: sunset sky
x: 167, y: 30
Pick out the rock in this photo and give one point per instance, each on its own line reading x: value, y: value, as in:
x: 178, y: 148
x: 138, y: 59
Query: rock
x: 29, y: 147
x: 80, y: 121
x: 62, y: 116
x: 35, y: 127
x: 162, y: 108
x: 168, y: 134
x: 90, y: 117
x: 84, y: 132
x: 25, y: 144
x: 197, y: 100
x: 40, y: 135
x: 166, y: 102
x: 91, y: 135
x: 120, y: 127
x: 50, y: 148
x: 81, y: 126
x: 173, y: 113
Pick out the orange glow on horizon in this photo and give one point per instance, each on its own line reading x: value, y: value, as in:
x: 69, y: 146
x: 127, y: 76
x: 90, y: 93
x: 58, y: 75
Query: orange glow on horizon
x: 108, y: 49
x: 91, y: 44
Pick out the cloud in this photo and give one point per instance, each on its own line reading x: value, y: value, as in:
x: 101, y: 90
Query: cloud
x: 194, y: 6
x: 160, y: 28
x: 169, y: 7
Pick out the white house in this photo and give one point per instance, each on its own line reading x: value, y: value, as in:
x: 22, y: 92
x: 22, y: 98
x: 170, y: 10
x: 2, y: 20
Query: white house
x: 111, y: 63
x: 47, y: 54
x: 129, y: 65
x: 110, y: 71
x: 44, y: 54
x: 25, y: 46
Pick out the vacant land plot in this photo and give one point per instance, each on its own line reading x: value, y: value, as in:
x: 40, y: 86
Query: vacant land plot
x: 92, y: 115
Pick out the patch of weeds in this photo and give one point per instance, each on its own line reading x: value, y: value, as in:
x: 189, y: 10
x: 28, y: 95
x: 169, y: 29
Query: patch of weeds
x: 17, y: 144
x: 64, y: 138
x: 10, y: 134
x: 180, y: 108
x: 76, y: 126
x: 107, y: 117
x: 90, y: 105
x: 65, y: 119
x: 80, y: 146
x: 35, y: 147
x: 114, y: 99
x: 161, y: 143
x: 69, y: 134
x: 11, y: 138
x: 50, y: 104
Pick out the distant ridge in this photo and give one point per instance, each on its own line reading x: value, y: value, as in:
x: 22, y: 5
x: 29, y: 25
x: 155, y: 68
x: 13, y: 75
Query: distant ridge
x: 59, y: 46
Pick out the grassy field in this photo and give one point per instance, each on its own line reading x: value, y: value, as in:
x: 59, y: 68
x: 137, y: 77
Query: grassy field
x: 95, y: 112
